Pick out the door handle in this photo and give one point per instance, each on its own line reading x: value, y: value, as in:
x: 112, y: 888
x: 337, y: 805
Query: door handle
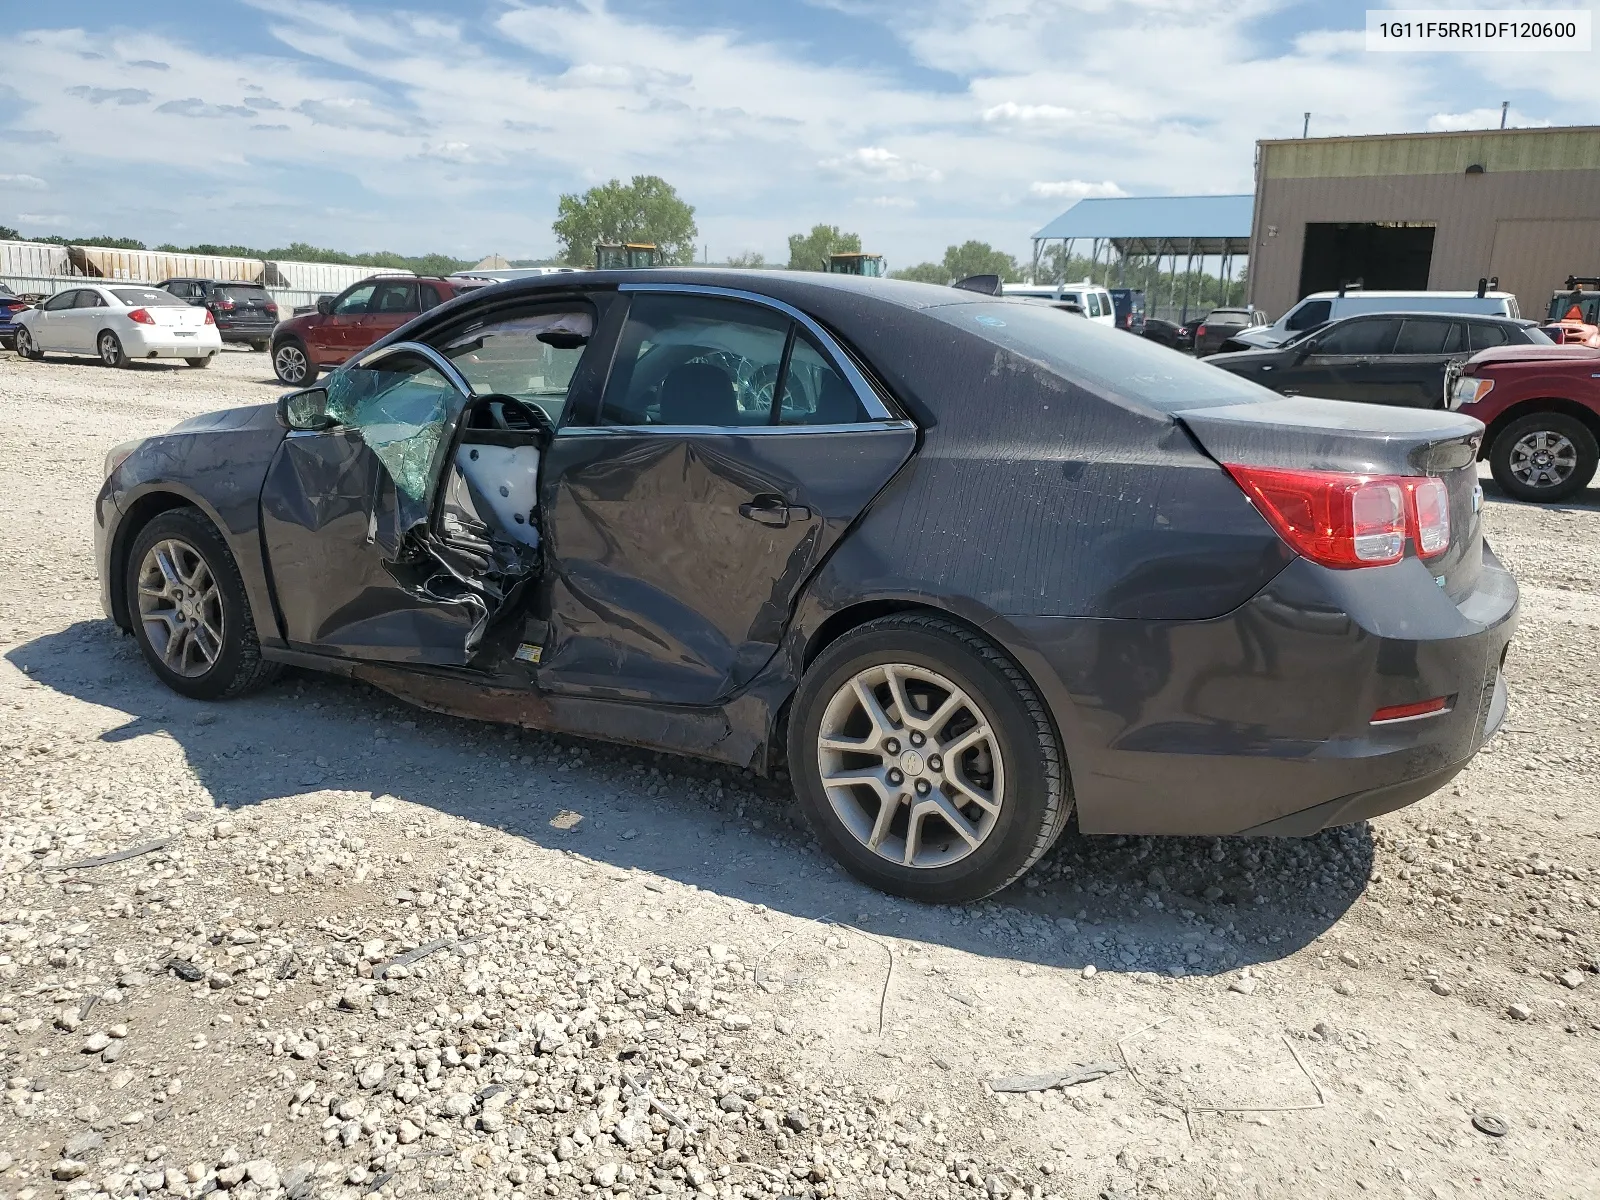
x: 771, y: 510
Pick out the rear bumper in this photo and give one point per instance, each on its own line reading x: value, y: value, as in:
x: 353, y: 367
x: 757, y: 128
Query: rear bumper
x: 1258, y: 722
x: 246, y: 333
x: 161, y: 342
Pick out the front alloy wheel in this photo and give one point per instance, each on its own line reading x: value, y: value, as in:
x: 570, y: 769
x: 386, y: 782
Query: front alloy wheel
x: 180, y: 607
x: 25, y: 346
x: 1545, y: 456
x: 291, y: 364
x: 911, y: 765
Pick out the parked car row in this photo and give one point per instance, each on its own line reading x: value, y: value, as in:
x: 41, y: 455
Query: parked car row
x: 118, y: 323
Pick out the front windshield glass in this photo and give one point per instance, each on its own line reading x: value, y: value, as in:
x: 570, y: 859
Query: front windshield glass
x: 1102, y: 359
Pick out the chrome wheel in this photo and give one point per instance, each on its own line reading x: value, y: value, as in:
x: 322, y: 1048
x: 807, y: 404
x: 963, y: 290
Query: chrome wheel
x: 289, y: 361
x: 180, y: 608
x: 911, y: 765
x: 1543, y: 458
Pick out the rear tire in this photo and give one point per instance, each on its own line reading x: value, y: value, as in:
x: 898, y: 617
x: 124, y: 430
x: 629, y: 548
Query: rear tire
x: 1545, y: 457
x: 189, y: 611
x: 292, y: 363
x: 200, y: 362
x: 109, y: 347
x: 1002, y: 747
x: 26, y: 347
x: 259, y: 346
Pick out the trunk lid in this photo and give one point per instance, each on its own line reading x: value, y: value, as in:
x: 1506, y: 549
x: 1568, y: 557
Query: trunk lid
x: 177, y: 316
x: 1364, y: 439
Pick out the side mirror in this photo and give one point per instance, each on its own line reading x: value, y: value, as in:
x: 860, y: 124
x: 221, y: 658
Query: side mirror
x: 324, y: 305
x: 305, y: 411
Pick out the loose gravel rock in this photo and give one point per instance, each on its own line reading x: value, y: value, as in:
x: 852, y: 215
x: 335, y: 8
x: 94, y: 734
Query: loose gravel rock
x: 391, y: 954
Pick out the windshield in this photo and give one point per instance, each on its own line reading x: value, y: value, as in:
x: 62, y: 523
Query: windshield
x: 1102, y: 359
x: 148, y: 298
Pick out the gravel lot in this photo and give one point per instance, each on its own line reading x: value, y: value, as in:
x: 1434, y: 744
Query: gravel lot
x: 385, y: 953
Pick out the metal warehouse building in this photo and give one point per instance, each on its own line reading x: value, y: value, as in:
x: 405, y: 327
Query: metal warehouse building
x: 1426, y: 210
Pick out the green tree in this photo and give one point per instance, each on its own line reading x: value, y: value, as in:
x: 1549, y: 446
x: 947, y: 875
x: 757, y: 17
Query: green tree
x: 923, y: 273
x: 111, y: 243
x: 8, y: 234
x: 809, y: 251
x: 646, y: 209
x: 752, y: 260
x: 969, y: 258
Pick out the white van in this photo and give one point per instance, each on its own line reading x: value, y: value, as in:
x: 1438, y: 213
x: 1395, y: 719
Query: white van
x: 1321, y: 307
x: 1091, y: 297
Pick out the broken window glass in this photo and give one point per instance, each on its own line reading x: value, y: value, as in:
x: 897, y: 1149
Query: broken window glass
x: 402, y: 409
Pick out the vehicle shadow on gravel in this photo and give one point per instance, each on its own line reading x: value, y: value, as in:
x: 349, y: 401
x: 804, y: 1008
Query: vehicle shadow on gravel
x: 1170, y: 905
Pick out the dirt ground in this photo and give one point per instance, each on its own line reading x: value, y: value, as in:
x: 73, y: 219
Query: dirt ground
x: 639, y: 976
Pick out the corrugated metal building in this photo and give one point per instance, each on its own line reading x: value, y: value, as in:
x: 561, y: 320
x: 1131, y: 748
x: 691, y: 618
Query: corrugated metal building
x: 1426, y: 210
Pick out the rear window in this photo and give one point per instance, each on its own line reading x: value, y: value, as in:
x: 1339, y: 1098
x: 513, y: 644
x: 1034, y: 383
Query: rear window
x: 148, y: 298
x: 1101, y: 359
x: 240, y: 292
x: 1228, y: 316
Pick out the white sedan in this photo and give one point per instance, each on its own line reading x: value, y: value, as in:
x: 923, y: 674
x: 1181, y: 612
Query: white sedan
x: 119, y: 323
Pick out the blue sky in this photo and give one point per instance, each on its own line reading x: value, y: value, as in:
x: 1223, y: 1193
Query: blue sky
x: 455, y: 126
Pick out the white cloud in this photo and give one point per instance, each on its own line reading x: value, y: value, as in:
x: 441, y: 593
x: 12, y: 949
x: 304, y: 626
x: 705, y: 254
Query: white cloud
x: 882, y: 163
x: 31, y: 183
x: 1077, y: 189
x: 43, y: 218
x: 1482, y: 118
x: 902, y: 202
x: 1026, y: 113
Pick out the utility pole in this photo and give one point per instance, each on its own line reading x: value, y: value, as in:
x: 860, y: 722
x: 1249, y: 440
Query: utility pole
x: 1305, y: 130
x: 1505, y: 107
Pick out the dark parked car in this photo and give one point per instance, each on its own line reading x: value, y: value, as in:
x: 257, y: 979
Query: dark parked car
x: 1379, y: 358
x: 1542, y: 407
x: 10, y: 306
x: 1220, y: 324
x: 1129, y: 305
x: 961, y: 564
x: 348, y: 323
x: 244, y: 312
x: 1169, y: 333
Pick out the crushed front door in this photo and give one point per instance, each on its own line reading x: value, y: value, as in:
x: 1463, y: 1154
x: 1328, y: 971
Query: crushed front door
x: 348, y: 517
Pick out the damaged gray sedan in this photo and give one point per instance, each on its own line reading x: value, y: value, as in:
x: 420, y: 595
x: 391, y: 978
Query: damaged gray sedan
x: 963, y: 567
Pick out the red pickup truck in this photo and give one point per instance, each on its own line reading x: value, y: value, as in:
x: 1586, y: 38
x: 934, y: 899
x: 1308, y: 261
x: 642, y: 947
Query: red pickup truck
x: 1542, y: 407
x: 348, y: 323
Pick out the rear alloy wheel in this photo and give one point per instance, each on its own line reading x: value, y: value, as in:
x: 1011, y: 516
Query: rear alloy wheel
x: 924, y: 761
x: 293, y: 365
x: 110, y: 349
x: 26, y: 347
x: 189, y: 611
x: 1544, y: 457
x: 200, y: 362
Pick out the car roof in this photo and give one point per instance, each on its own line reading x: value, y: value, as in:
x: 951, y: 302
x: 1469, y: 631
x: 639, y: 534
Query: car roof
x: 788, y: 286
x: 1359, y: 293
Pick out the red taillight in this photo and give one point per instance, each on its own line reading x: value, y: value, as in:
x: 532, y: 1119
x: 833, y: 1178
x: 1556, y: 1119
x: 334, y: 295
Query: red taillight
x: 225, y: 305
x: 1199, y: 331
x: 140, y: 316
x: 1341, y: 520
x: 272, y: 310
x: 1410, y: 712
x: 210, y: 320
x: 1430, y: 512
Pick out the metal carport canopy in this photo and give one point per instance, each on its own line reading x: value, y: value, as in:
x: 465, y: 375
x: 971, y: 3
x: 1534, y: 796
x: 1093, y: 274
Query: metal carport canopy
x: 1158, y: 225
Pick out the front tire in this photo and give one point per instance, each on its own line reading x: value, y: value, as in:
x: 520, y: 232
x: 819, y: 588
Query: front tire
x: 1545, y: 457
x: 200, y: 362
x: 109, y: 347
x: 292, y: 364
x: 189, y: 610
x: 924, y: 760
x: 27, y: 348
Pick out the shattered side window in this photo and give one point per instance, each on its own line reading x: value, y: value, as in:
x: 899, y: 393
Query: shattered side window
x: 531, y: 356
x: 402, y: 408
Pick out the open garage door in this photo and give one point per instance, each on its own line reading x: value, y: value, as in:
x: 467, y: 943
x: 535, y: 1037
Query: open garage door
x: 1383, y: 255
x: 1534, y: 258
